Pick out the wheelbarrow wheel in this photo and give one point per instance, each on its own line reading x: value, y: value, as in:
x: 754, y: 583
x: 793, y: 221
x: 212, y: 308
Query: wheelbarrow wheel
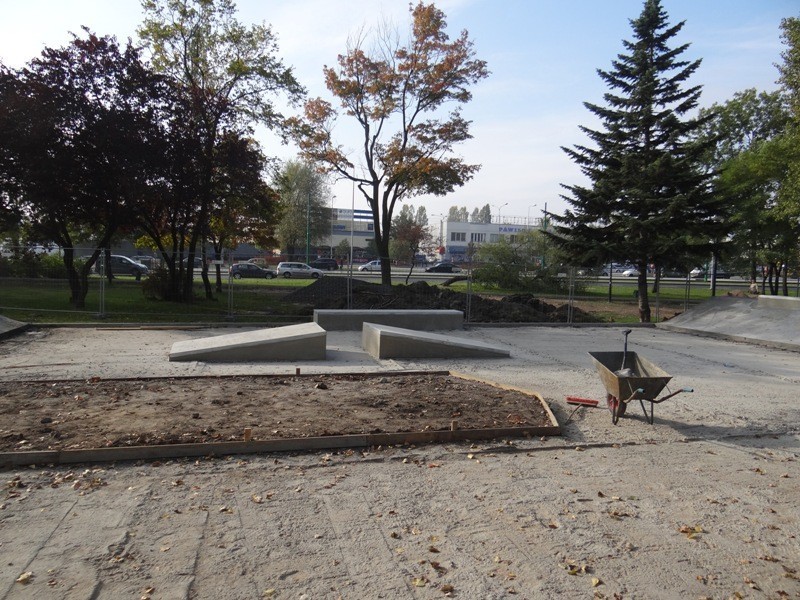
x: 616, y: 407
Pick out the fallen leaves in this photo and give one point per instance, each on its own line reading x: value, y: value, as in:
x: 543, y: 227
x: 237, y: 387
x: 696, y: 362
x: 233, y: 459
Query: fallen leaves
x: 25, y: 578
x: 691, y: 531
x: 436, y: 566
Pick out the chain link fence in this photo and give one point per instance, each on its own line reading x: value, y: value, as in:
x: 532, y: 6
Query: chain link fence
x: 36, y: 286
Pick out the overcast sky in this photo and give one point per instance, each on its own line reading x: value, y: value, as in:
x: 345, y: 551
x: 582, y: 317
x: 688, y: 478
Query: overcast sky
x: 543, y: 55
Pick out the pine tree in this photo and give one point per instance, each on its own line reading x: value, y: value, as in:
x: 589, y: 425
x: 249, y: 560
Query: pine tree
x: 649, y: 200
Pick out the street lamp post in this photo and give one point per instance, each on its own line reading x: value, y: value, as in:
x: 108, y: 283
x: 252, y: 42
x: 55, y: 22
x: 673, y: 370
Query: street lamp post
x: 498, y: 210
x: 528, y: 221
x: 308, y: 226
x: 333, y: 197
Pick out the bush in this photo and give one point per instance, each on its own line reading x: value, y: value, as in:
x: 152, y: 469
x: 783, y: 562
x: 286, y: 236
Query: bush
x: 158, y: 285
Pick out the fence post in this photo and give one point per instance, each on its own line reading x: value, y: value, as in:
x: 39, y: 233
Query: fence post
x: 230, y: 289
x: 102, y: 300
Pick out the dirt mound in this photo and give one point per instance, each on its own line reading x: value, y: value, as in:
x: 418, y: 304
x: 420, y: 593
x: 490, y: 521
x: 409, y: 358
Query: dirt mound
x: 332, y: 293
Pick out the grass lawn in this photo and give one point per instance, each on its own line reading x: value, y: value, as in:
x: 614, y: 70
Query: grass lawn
x: 47, y: 301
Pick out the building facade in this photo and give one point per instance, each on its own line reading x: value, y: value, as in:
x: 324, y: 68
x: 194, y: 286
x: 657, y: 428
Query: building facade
x: 458, y: 237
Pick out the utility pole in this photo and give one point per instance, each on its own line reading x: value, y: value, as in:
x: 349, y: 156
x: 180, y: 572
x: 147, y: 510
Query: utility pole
x: 308, y: 226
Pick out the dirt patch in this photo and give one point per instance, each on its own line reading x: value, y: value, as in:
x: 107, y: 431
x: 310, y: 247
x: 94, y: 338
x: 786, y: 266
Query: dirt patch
x: 97, y: 413
x: 332, y: 293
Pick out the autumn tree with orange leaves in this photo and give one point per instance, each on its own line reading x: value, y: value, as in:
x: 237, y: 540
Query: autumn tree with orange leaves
x: 398, y: 95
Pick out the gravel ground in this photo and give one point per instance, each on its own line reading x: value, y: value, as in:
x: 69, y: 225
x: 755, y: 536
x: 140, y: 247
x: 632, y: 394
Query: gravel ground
x: 702, y: 504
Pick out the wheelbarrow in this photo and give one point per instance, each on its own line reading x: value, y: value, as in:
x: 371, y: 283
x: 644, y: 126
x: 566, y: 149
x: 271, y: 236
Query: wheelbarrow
x: 627, y: 377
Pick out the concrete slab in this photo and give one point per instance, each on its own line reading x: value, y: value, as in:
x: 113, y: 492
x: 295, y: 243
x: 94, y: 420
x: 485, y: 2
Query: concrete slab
x: 383, y: 341
x: 9, y: 327
x: 293, y: 342
x: 354, y: 319
x: 768, y: 321
x: 779, y: 302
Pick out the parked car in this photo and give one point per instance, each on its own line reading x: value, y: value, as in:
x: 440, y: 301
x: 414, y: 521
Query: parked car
x: 673, y: 273
x: 722, y: 273
x: 121, y: 265
x: 249, y: 270
x: 614, y: 268
x: 295, y: 269
x: 443, y: 267
x: 258, y: 260
x: 198, y: 262
x: 324, y: 264
x: 373, y: 265
x: 151, y: 262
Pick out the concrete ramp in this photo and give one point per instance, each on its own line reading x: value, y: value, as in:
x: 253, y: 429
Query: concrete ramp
x: 10, y: 327
x: 293, y: 342
x: 422, y: 319
x: 384, y: 341
x: 767, y: 320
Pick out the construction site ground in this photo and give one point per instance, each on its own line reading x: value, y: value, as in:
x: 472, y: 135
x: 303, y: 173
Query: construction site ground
x: 704, y: 503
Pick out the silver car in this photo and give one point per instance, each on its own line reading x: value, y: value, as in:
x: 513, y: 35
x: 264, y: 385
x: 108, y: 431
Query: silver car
x: 373, y: 265
x: 295, y: 269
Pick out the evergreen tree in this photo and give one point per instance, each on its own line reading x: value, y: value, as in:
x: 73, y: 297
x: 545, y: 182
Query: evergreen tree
x: 648, y: 201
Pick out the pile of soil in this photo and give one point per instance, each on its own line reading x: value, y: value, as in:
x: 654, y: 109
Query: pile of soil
x: 134, y: 412
x: 332, y: 293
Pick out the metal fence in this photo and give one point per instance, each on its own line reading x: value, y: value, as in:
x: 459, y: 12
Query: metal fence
x: 35, y: 286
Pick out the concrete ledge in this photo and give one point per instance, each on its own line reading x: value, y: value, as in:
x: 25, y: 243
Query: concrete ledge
x: 383, y: 341
x: 353, y: 320
x: 293, y: 342
x: 780, y: 302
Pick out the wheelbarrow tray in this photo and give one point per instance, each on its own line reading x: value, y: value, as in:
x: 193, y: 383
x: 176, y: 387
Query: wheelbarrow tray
x: 647, y: 377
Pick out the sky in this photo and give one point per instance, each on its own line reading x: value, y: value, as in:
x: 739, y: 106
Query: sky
x: 543, y: 56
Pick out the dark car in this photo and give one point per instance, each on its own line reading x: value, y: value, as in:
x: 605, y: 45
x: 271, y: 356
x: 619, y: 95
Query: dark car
x: 198, y: 262
x: 121, y: 265
x: 326, y: 264
x: 443, y: 267
x: 722, y: 273
x: 249, y: 270
x: 673, y: 273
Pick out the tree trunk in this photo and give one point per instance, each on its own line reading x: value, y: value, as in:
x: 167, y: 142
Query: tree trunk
x: 784, y: 274
x: 386, y: 263
x: 108, y: 272
x: 644, y: 302
x: 78, y: 280
x: 410, y: 270
x: 76, y: 297
x: 772, y: 276
x: 218, y: 270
